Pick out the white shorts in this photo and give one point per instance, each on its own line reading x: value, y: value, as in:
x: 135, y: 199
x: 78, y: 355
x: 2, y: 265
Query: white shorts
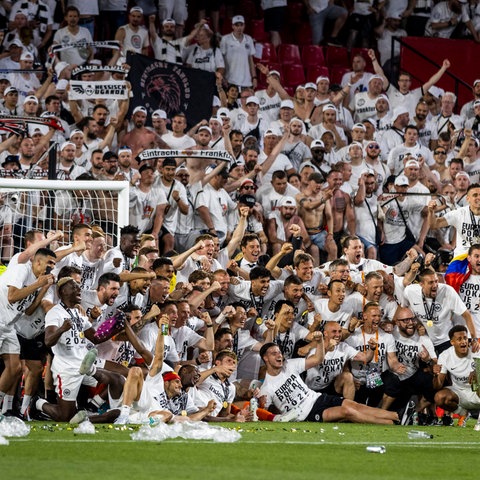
x: 467, y: 399
x: 176, y: 9
x: 67, y: 386
x: 9, y: 342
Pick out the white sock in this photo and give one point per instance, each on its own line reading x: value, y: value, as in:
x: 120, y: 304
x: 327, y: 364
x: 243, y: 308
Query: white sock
x: 40, y: 403
x: 98, y: 401
x: 125, y: 410
x: 7, y: 403
x: 25, y: 403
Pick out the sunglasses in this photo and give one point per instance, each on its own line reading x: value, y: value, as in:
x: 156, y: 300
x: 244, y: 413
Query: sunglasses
x: 374, y: 147
x: 248, y: 187
x: 440, y: 152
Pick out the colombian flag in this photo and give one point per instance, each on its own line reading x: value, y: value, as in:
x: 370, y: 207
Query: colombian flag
x: 458, y: 271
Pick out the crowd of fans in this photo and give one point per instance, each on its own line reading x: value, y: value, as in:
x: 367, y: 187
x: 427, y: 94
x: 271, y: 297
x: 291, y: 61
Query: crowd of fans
x: 316, y: 248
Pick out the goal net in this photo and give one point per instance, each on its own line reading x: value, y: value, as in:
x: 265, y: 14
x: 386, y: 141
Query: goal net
x: 27, y: 204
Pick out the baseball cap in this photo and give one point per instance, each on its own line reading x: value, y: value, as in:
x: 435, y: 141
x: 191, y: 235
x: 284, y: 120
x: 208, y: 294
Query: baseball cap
x: 247, y: 181
x: 169, y: 376
x: 382, y: 97
x: 26, y: 56
x: 62, y: 84
x: 66, y: 144
x: 476, y: 81
x: 169, y: 162
x: 317, y: 144
x: 139, y: 109
x: 169, y: 21
x: 204, y: 127
x: 136, y: 9
x: 476, y: 103
x: 223, y: 112
x: 361, y: 126
x: 462, y: 174
x: 274, y: 72
x: 311, y: 85
x: 412, y: 163
x: 10, y: 90
x: 401, y: 180
x: 436, y: 91
x: 270, y: 132
x: 322, y: 77
x: 145, y: 166
x: 330, y: 107
x: 159, y: 114
x: 286, y: 104
x: 16, y: 43
x: 11, y: 159
x: 248, y: 200
x: 288, y: 202
x: 238, y: 19
x: 60, y: 67
x: 75, y: 132
x: 297, y: 120
x: 30, y: 98
x: 252, y: 99
x: 397, y: 111
x: 375, y: 77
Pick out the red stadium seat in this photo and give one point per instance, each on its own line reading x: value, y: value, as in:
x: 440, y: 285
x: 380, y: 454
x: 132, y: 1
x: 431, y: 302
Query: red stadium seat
x: 337, y: 57
x: 289, y: 54
x: 269, y: 53
x: 303, y: 34
x: 315, y: 71
x: 312, y: 55
x: 257, y: 31
x: 336, y: 74
x: 296, y: 12
x: 294, y: 75
x: 364, y: 53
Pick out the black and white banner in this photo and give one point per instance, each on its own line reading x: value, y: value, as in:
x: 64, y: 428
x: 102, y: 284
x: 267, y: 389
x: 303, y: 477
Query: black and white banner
x: 171, y: 87
x: 97, y: 68
x: 88, y: 90
x: 112, y: 44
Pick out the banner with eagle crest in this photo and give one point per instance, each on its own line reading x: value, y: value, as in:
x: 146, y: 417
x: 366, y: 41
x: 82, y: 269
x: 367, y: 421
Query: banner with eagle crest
x: 170, y: 87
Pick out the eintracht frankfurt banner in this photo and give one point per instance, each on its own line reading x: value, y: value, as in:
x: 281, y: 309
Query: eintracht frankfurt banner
x: 89, y: 90
x: 170, y: 87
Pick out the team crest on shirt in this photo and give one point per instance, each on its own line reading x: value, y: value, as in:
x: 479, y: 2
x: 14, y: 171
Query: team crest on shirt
x: 361, y: 102
x: 263, y: 101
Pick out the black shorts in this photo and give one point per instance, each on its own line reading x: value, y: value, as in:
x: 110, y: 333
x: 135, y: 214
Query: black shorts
x: 32, y: 348
x: 419, y: 383
x: 323, y: 402
x: 274, y: 19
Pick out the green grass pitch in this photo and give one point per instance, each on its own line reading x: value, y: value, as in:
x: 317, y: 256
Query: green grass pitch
x: 266, y: 450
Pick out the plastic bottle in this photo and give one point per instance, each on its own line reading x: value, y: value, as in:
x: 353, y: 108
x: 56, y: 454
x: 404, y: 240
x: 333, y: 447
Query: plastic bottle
x: 415, y: 434
x: 253, y: 408
x: 376, y: 449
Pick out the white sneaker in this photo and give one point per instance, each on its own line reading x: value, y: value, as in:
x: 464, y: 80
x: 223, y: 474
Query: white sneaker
x: 122, y: 419
x: 290, y: 416
x: 477, y: 427
x: 86, y: 368
x: 79, y: 417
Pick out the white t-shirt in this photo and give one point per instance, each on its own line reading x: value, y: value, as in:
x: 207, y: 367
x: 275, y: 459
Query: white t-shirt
x: 213, y: 389
x: 287, y: 391
x: 461, y: 219
x: 236, y: 55
x: 73, y: 56
x: 438, y: 311
x: 323, y: 375
x: 184, y: 337
x: 470, y: 295
x: 143, y: 206
x: 458, y: 368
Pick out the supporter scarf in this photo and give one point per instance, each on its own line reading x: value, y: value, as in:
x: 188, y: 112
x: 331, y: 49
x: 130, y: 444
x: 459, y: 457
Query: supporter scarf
x: 90, y: 90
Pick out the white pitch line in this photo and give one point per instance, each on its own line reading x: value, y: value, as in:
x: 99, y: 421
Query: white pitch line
x: 426, y: 444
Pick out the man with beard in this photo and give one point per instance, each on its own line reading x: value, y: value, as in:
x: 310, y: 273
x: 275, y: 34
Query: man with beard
x: 133, y: 36
x: 125, y: 164
x: 67, y: 170
x: 177, y: 204
x: 315, y: 211
x: 411, y: 349
x: 423, y: 125
x: 271, y: 194
x: 373, y: 161
x: 317, y: 160
x: 140, y: 137
x: 294, y: 147
x: 435, y: 305
x: 110, y: 166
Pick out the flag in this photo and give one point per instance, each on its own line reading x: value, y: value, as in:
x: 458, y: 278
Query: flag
x: 458, y: 271
x: 170, y: 87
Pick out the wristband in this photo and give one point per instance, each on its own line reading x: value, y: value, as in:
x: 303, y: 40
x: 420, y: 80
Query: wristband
x: 209, y: 325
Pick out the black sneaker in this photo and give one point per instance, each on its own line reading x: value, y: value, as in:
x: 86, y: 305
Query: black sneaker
x: 447, y: 421
x: 35, y: 413
x: 13, y: 413
x: 333, y: 42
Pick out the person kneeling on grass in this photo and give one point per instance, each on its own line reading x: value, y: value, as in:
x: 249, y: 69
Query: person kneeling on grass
x: 284, y: 390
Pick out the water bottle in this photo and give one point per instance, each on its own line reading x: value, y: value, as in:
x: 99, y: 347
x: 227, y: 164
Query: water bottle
x: 416, y: 434
x: 376, y: 449
x: 253, y: 408
x: 164, y: 329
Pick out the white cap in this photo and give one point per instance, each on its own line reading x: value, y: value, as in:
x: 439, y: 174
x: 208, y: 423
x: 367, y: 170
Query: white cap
x: 382, y: 97
x: 60, y: 67
x: 26, y: 56
x: 401, y: 180
x: 9, y: 90
x: 412, y: 163
x: 75, y: 132
x: 62, y: 84
x: 329, y: 106
x: 286, y: 104
x: 288, y: 202
x: 252, y: 99
x: 317, y: 144
x: 204, y: 127
x: 462, y: 174
x: 436, y: 91
x: 223, y: 112
x: 297, y: 120
x: 355, y: 144
x: 30, y: 98
x: 159, y: 114
x: 322, y: 77
x: 271, y: 131
x: 375, y: 77
x: 397, y: 111
x: 361, y: 126
x: 311, y: 85
x: 136, y: 9
x: 274, y: 72
x: 169, y: 21
x: 66, y: 144
x: 238, y: 19
x: 95, y: 61
x: 476, y: 81
x: 140, y: 109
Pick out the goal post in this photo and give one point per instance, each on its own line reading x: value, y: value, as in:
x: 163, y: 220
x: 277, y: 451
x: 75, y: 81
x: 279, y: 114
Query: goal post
x: 27, y: 204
